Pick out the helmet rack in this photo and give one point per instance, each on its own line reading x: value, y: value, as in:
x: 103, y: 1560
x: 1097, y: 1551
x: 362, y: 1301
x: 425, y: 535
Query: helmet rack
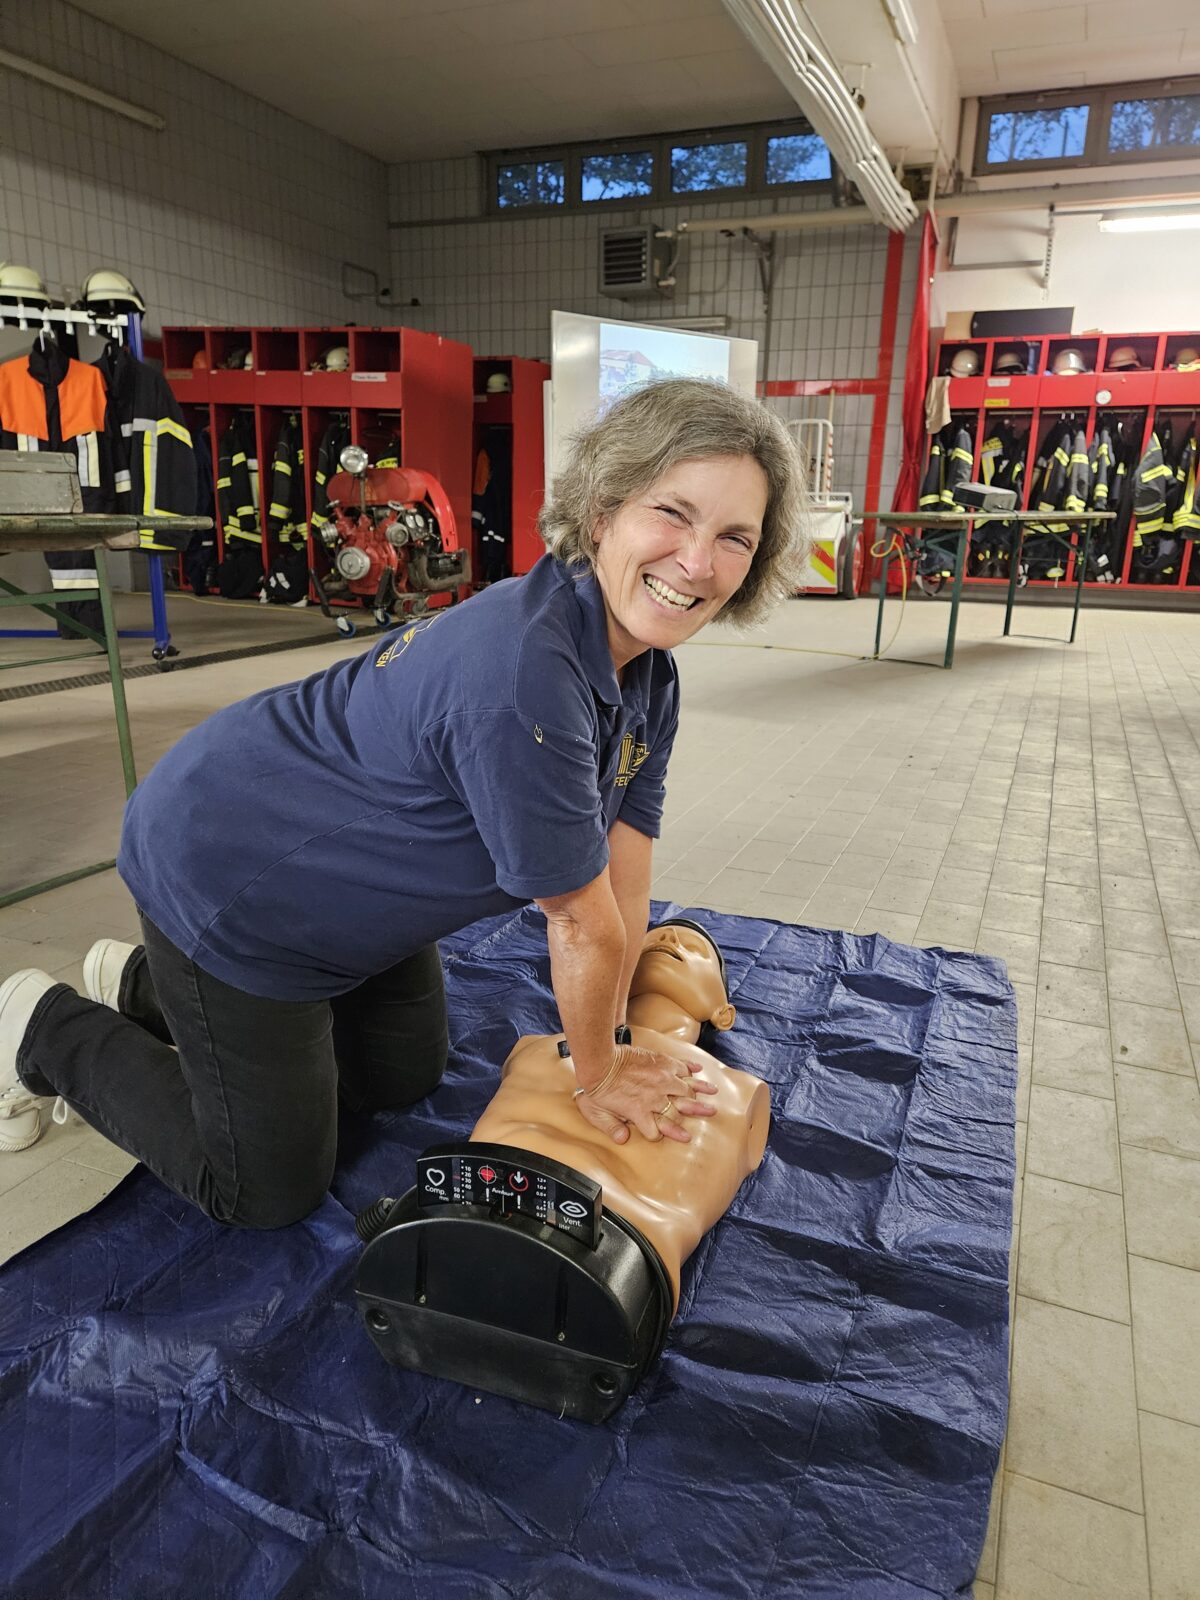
x: 32, y: 318
x: 125, y: 328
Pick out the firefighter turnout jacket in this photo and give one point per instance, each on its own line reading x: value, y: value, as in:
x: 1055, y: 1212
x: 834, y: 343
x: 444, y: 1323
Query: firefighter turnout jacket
x: 49, y: 402
x: 154, y: 463
x: 333, y: 441
x: 287, y: 520
x: 237, y: 481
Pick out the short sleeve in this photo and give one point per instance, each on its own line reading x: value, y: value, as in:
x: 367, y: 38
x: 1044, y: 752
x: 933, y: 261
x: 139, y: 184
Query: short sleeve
x: 642, y: 806
x: 533, y: 793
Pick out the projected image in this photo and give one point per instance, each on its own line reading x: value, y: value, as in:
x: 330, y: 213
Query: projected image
x: 632, y: 357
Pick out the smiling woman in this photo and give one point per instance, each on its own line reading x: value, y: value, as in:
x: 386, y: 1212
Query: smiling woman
x: 509, y: 750
x: 670, y: 559
x: 719, y: 467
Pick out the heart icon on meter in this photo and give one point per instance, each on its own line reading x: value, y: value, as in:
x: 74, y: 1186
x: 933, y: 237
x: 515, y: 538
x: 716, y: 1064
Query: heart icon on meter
x: 435, y: 1176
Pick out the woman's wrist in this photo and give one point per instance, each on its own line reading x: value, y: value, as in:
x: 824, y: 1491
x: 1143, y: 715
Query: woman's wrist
x: 597, y: 1080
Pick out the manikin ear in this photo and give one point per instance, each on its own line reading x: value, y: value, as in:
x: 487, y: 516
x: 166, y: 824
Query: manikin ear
x: 723, y: 1018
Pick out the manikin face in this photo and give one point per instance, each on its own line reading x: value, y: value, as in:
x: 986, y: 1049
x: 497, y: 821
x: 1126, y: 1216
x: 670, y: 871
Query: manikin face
x: 682, y: 966
x: 669, y: 559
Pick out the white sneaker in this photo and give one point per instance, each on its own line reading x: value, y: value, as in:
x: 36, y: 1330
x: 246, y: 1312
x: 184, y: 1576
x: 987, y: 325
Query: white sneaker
x: 103, y: 967
x: 20, y: 1116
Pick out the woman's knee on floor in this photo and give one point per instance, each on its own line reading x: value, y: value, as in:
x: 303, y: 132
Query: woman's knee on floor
x: 267, y: 1206
x: 410, y: 1076
x: 418, y: 1079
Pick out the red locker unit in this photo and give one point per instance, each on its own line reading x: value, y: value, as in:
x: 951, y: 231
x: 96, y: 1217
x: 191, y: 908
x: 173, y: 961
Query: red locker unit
x: 1141, y: 398
x: 518, y: 413
x: 398, y: 383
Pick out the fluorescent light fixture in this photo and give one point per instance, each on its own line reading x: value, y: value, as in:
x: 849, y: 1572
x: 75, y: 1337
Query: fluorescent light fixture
x: 692, y: 324
x: 81, y: 90
x: 1149, y: 221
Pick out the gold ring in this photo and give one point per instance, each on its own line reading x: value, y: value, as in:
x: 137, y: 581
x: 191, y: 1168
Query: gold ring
x: 665, y: 1109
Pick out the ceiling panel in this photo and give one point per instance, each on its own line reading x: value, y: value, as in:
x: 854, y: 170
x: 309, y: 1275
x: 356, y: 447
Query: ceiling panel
x: 1011, y: 46
x: 1109, y: 21
x: 406, y: 79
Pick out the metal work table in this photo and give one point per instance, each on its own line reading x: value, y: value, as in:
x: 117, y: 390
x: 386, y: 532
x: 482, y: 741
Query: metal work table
x: 1077, y: 540
x: 20, y: 532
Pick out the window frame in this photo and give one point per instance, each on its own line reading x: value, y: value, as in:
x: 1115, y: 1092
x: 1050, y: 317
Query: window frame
x: 792, y: 186
x: 1166, y: 89
x: 691, y: 142
x: 754, y: 135
x: 1100, y: 100
x: 1048, y: 101
x: 576, y: 154
x: 532, y: 157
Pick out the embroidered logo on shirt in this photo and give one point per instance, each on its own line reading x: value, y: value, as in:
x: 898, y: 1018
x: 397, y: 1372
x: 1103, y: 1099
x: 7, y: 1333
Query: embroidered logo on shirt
x: 537, y: 733
x: 401, y: 643
x: 632, y: 756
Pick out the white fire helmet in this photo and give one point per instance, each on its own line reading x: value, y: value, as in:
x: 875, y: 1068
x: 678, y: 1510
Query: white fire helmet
x: 21, y: 285
x: 1068, y: 362
x: 107, y: 290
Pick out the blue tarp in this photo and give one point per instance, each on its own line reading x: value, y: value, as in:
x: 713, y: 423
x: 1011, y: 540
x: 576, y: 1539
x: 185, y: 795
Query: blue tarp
x: 189, y: 1410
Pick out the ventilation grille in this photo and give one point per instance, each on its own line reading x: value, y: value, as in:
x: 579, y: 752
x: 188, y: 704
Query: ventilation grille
x: 628, y: 263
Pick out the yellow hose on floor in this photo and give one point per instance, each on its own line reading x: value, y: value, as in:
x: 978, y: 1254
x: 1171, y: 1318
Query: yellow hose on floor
x: 237, y: 605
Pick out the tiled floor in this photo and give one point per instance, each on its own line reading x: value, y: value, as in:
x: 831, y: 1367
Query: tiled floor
x: 1040, y: 803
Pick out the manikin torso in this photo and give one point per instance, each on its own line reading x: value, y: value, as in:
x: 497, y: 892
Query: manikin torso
x: 671, y: 1191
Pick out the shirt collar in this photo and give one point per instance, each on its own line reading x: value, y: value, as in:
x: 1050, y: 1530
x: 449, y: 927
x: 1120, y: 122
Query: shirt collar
x: 116, y: 367
x: 48, y: 363
x: 643, y: 674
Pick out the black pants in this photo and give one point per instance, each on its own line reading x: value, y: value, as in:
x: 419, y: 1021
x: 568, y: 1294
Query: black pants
x: 243, y: 1119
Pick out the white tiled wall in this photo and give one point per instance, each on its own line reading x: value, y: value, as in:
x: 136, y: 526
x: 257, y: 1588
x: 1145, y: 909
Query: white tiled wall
x: 493, y: 282
x: 236, y: 213
x: 240, y: 213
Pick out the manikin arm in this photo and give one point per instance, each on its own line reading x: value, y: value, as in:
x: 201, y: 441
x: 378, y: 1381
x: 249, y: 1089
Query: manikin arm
x: 629, y: 869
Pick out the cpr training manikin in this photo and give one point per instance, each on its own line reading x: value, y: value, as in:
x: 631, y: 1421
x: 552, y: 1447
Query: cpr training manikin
x: 672, y: 1192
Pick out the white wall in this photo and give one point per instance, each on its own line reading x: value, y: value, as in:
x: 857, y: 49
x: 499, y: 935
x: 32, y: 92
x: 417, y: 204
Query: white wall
x: 237, y: 213
x: 493, y: 282
x: 1120, y: 283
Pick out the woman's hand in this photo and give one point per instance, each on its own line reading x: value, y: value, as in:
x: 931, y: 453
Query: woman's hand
x: 646, y: 1091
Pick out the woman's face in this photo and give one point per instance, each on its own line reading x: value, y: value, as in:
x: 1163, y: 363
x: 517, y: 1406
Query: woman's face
x: 669, y: 559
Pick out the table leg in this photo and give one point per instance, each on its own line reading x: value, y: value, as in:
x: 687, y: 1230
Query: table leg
x: 1014, y: 571
x: 158, y: 606
x: 960, y: 562
x: 114, y: 672
x: 1083, y: 561
x: 883, y: 577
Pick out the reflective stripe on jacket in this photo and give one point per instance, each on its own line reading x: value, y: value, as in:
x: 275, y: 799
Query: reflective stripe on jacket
x: 1150, y: 491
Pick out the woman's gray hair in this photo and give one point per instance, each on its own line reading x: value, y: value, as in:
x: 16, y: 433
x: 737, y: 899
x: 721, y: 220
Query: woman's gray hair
x: 645, y: 434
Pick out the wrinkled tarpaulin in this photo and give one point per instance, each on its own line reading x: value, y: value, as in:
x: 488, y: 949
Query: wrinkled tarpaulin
x: 194, y: 1411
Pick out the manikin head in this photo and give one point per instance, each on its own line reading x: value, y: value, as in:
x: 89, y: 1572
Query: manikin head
x: 680, y: 964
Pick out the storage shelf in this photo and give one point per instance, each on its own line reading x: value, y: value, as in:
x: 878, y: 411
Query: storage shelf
x: 519, y: 412
x: 1037, y: 396
x: 400, y: 381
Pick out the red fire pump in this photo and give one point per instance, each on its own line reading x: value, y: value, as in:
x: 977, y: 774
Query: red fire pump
x: 392, y: 541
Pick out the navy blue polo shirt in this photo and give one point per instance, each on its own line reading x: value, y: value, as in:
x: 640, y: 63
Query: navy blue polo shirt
x: 301, y: 840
